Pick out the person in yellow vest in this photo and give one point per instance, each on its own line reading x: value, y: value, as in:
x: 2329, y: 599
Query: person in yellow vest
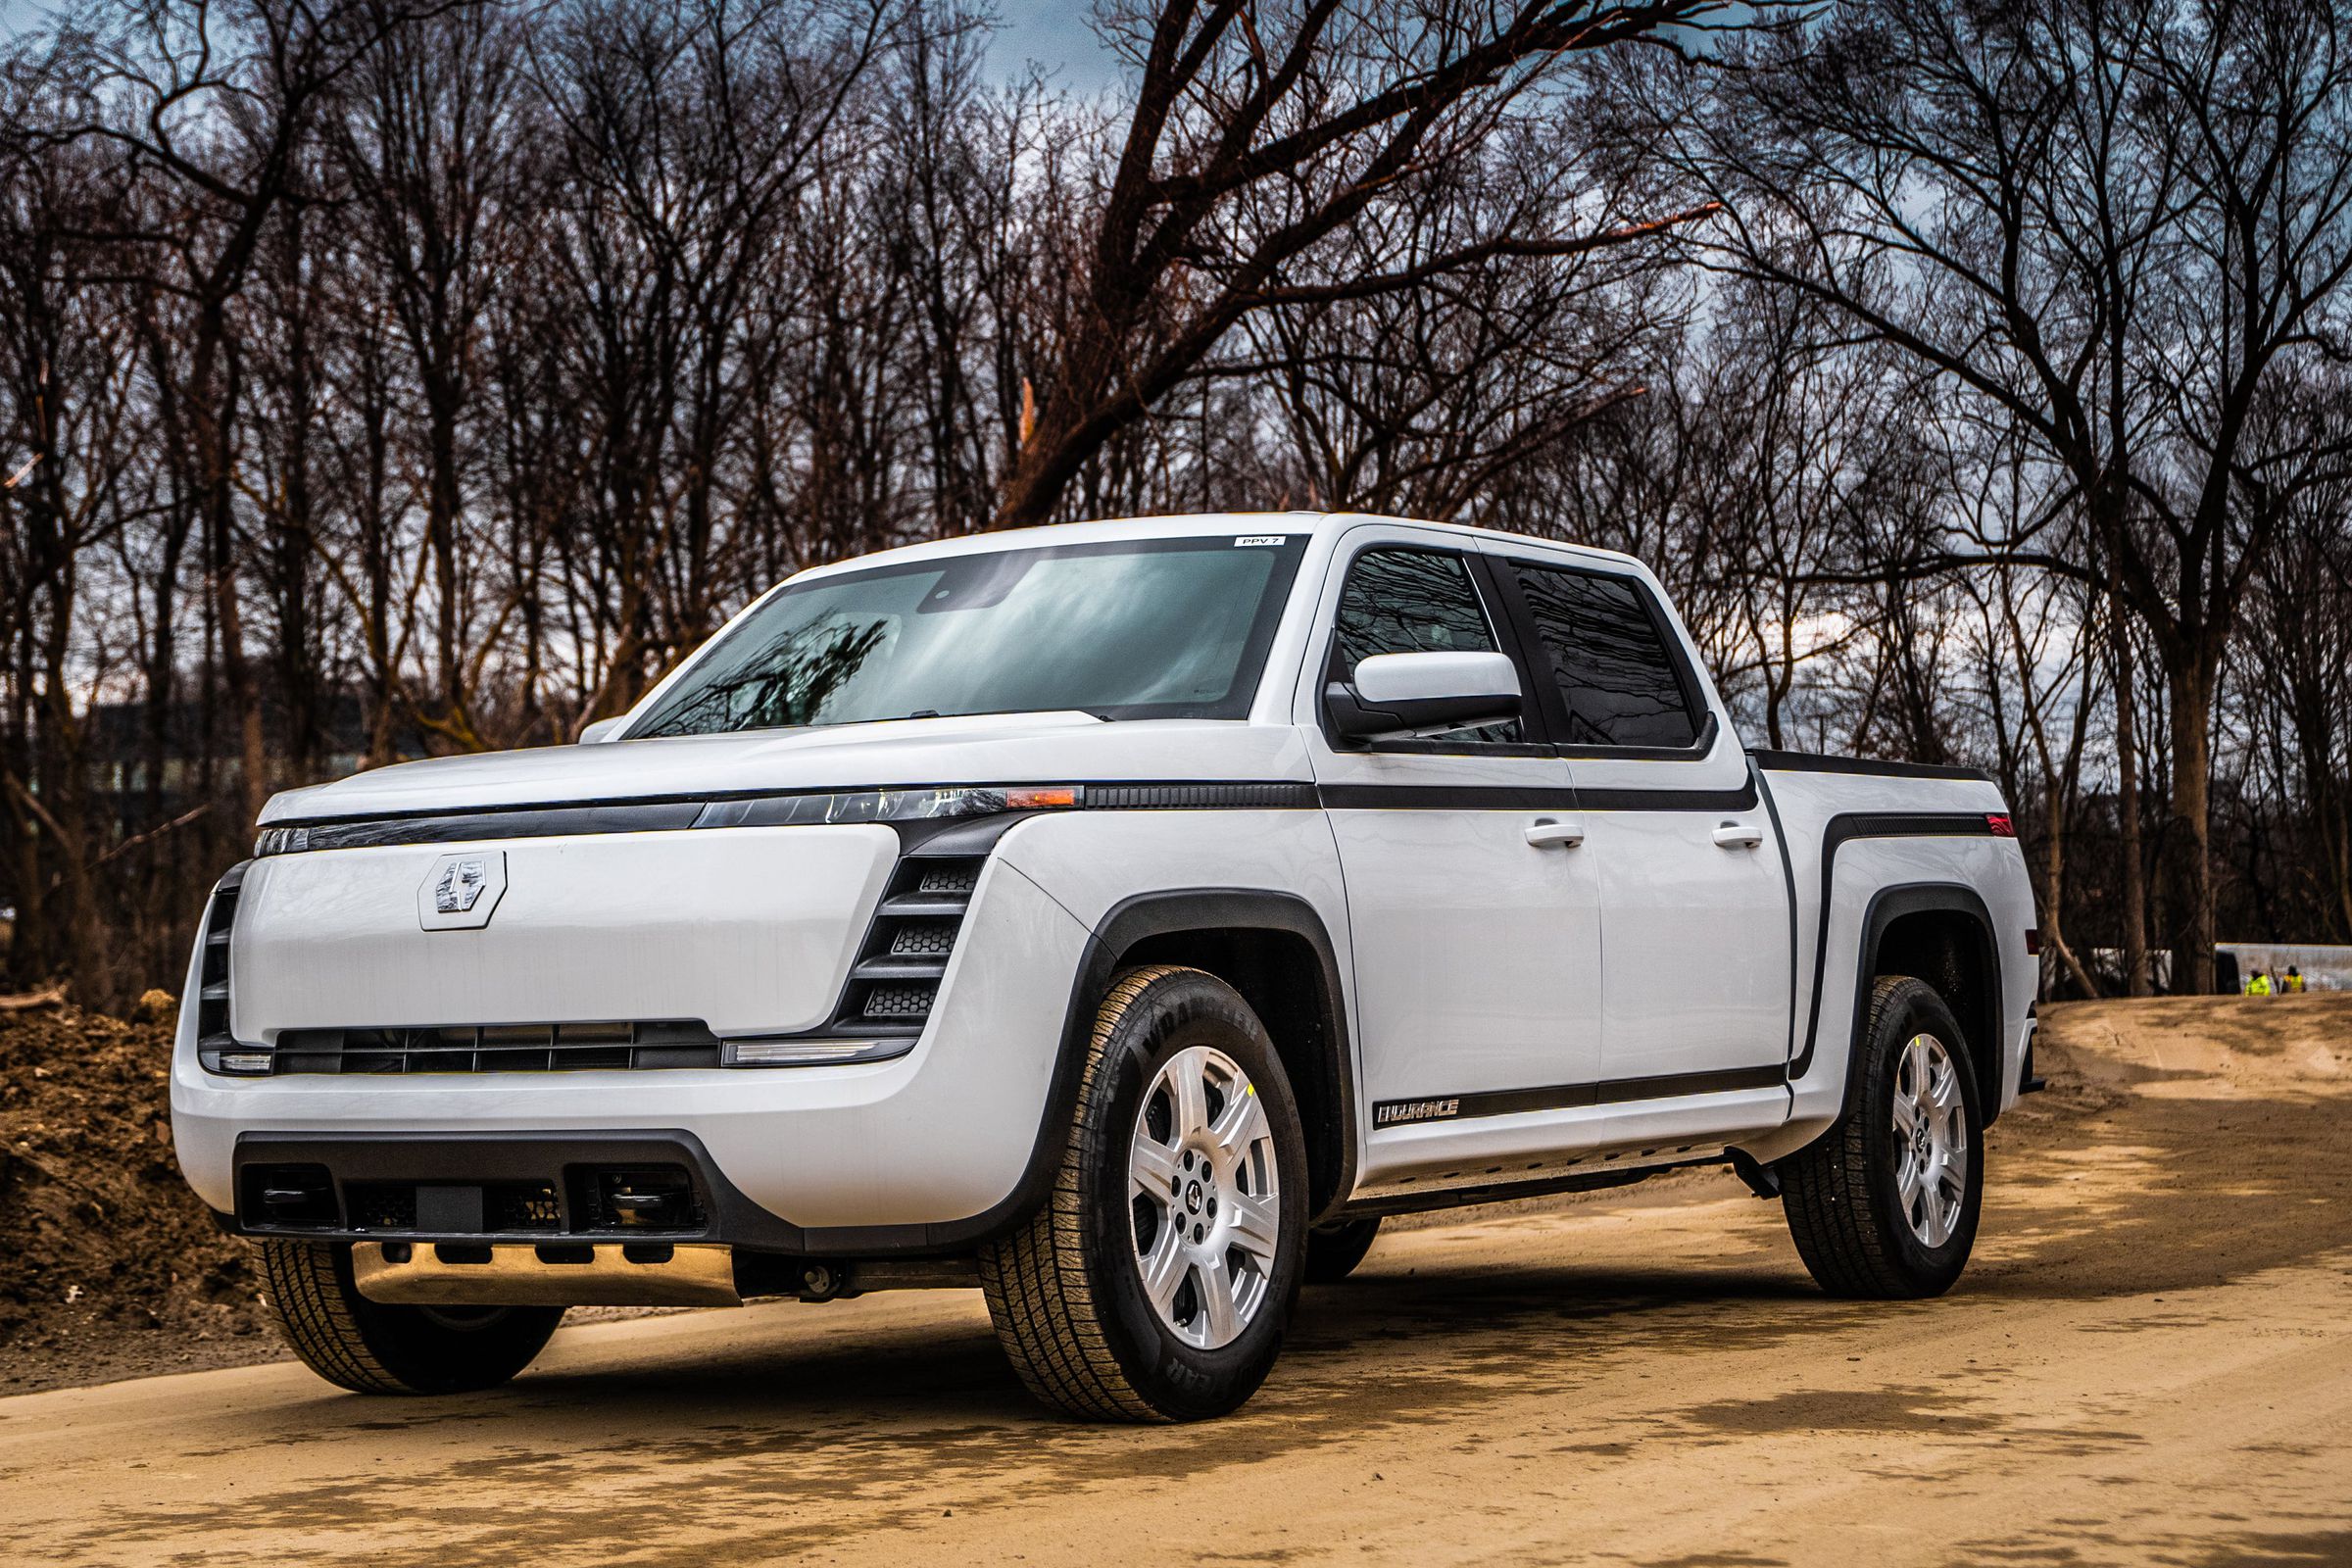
x: 2259, y: 986
x: 2295, y: 980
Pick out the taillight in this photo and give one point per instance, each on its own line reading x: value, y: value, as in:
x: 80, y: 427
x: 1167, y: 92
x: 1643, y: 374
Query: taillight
x: 1997, y: 824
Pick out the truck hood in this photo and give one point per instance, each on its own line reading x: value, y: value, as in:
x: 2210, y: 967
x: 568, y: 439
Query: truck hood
x: 921, y: 753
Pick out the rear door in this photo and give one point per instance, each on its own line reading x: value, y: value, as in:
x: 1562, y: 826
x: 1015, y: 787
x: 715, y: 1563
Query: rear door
x: 1696, y: 931
x: 1476, y: 950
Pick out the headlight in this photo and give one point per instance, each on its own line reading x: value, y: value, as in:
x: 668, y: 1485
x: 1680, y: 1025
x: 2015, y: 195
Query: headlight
x: 281, y: 841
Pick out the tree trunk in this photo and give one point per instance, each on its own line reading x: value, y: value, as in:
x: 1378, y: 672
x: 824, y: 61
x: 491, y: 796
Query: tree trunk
x: 2188, y: 864
x: 2127, y: 808
x: 214, y: 404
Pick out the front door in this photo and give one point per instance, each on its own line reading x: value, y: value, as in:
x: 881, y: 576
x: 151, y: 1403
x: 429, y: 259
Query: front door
x: 1474, y: 917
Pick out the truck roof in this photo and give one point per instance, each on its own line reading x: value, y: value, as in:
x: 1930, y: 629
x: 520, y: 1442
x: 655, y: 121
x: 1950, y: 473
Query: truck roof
x: 1189, y: 525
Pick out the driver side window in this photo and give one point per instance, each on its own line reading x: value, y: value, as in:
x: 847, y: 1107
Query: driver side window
x: 1403, y: 600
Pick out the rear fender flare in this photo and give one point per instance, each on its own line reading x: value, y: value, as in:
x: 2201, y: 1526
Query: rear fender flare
x: 1982, y: 1023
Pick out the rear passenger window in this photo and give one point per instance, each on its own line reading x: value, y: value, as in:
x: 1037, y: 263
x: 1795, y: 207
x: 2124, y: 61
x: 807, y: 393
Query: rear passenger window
x: 1413, y: 602
x: 1609, y: 657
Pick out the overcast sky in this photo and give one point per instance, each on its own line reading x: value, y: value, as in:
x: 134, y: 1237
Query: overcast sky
x: 1052, y: 32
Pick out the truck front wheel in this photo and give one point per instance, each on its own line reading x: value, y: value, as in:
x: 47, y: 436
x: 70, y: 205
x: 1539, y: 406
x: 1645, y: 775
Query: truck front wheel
x: 1155, y: 1283
x: 1885, y: 1204
x: 374, y: 1348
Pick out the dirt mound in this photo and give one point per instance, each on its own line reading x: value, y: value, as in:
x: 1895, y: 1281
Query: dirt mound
x: 109, y: 1267
x: 2210, y: 1048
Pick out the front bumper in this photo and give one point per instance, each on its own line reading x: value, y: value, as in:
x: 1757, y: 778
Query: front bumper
x: 924, y: 1153
x: 652, y: 1187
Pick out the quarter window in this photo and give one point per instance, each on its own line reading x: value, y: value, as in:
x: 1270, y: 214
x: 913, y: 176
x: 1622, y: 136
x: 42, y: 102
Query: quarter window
x: 1413, y: 602
x: 1616, y: 677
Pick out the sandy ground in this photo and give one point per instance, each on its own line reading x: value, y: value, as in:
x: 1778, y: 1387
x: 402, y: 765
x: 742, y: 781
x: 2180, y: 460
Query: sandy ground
x: 2149, y: 1362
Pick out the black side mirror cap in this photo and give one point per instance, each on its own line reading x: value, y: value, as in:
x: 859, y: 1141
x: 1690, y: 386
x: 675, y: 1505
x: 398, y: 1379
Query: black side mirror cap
x: 1354, y: 719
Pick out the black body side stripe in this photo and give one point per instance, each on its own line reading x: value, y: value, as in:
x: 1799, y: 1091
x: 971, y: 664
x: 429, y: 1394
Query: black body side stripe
x: 1841, y: 831
x: 1566, y: 1097
x: 1447, y: 798
x: 1743, y: 798
x: 673, y: 814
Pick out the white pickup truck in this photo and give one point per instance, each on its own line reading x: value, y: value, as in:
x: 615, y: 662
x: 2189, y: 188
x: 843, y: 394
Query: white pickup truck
x: 1120, y: 917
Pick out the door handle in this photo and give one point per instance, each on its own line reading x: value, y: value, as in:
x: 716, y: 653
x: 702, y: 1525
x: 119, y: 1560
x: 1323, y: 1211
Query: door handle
x: 1738, y: 835
x: 1547, y: 832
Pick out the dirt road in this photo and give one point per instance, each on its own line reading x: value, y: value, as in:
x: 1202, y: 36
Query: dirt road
x: 2150, y: 1362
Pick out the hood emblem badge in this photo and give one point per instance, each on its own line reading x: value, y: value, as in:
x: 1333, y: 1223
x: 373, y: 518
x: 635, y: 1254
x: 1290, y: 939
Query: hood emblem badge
x: 462, y: 891
x: 459, y: 887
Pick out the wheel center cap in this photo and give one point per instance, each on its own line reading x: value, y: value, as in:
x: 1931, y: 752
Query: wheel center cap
x: 1919, y: 1140
x: 1191, y: 1198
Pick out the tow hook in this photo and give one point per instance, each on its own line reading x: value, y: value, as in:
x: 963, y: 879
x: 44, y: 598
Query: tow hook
x: 822, y: 1282
x: 1762, y: 1180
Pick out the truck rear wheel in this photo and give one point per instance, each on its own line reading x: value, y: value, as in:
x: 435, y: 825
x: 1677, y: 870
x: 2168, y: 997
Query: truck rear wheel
x: 1885, y: 1204
x: 373, y: 1348
x: 1156, y: 1282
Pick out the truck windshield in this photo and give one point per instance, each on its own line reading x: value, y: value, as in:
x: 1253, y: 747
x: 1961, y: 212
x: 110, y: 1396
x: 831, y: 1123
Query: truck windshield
x: 1143, y: 628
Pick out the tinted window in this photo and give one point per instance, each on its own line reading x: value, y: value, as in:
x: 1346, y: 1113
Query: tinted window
x: 1615, y: 675
x: 1413, y: 602
x: 1134, y: 629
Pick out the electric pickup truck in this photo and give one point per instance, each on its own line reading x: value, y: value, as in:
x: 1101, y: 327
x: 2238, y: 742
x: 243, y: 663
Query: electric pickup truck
x: 1120, y: 918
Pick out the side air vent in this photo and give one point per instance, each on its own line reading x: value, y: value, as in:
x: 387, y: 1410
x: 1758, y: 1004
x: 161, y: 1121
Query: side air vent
x: 898, y: 971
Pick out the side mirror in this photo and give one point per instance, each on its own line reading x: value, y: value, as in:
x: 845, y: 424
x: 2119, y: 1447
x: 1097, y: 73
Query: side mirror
x: 604, y: 729
x: 1397, y: 695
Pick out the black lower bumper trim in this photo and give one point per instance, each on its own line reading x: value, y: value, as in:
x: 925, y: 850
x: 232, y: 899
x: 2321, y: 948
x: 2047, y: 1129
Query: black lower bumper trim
x: 521, y: 1187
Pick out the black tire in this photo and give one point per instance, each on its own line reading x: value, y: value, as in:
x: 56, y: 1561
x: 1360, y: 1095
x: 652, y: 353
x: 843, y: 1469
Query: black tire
x: 1333, y: 1250
x: 1064, y: 1290
x: 1845, y: 1211
x: 373, y: 1348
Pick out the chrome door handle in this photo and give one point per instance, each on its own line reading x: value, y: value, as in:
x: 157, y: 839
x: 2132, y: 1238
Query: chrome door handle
x: 1547, y: 832
x: 1739, y: 835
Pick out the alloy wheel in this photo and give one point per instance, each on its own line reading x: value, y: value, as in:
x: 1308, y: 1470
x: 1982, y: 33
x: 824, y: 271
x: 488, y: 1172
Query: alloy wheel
x: 1203, y: 1196
x: 1930, y: 1140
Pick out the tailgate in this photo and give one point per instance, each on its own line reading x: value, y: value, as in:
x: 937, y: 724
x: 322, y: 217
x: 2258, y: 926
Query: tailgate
x: 747, y: 930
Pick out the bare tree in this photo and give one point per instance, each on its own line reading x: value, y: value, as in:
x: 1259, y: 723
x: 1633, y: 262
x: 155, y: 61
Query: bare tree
x: 1260, y: 139
x: 2117, y: 224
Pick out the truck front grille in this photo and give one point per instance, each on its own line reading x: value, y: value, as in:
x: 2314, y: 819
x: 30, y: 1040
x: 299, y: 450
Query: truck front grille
x: 498, y: 1047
